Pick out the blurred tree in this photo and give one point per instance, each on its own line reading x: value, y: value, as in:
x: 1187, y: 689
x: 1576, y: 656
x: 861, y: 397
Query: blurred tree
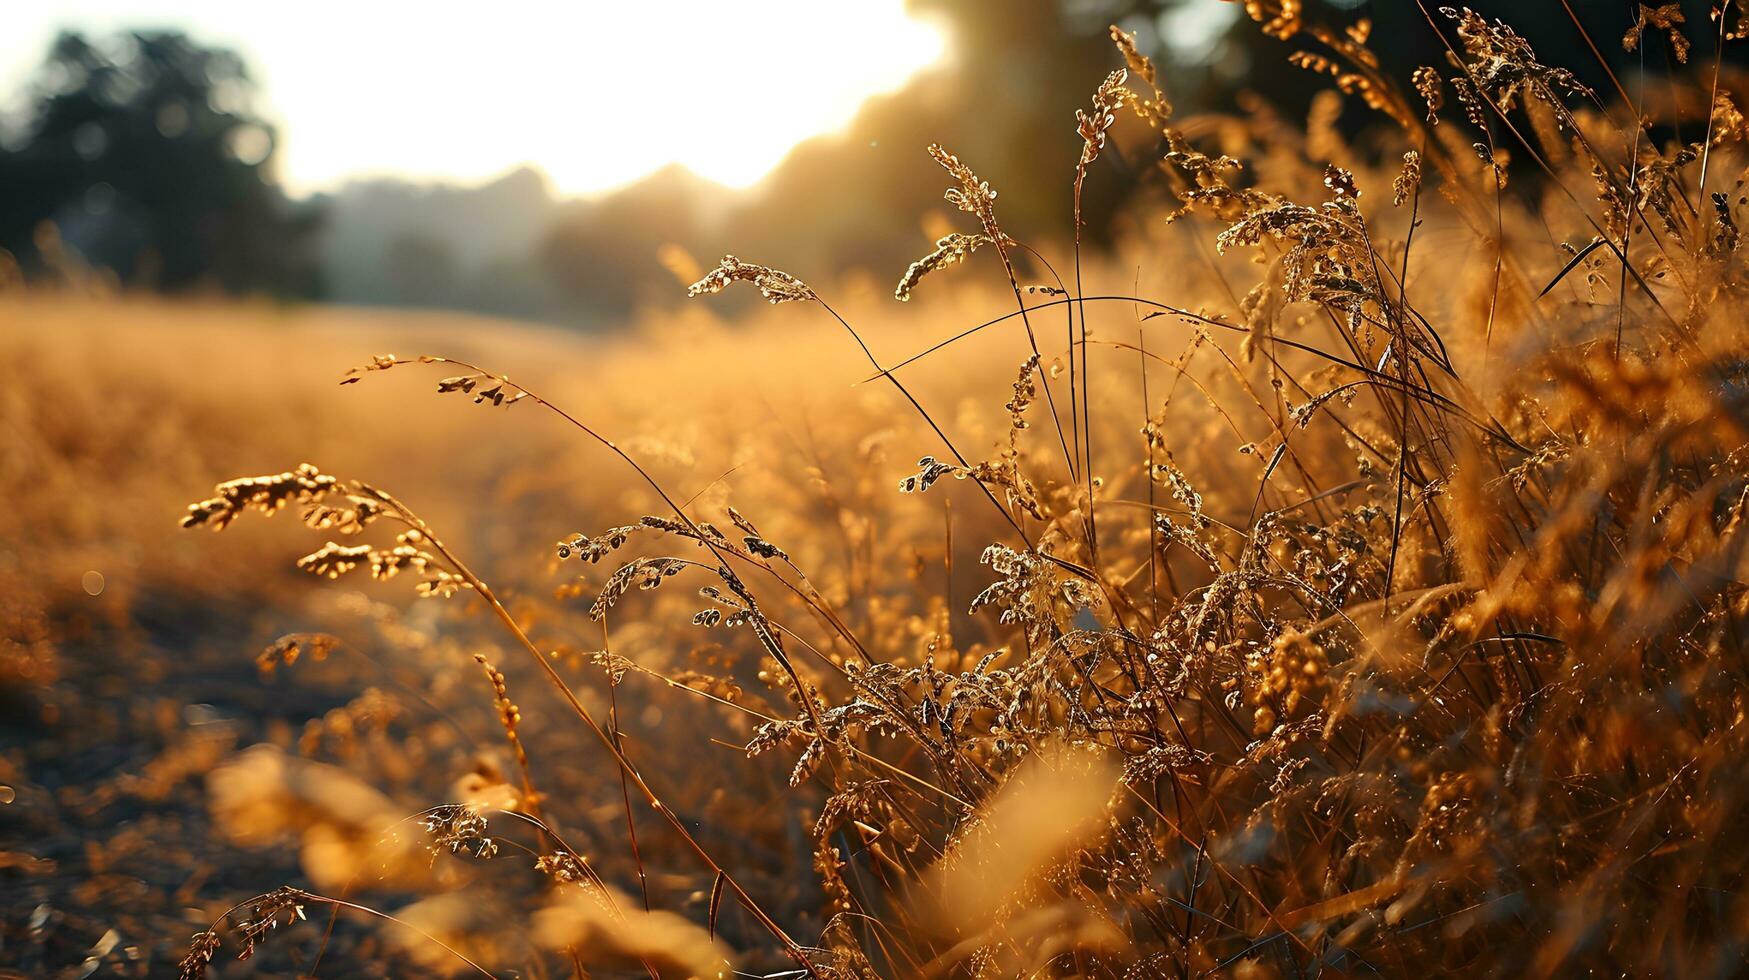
x: 146, y: 153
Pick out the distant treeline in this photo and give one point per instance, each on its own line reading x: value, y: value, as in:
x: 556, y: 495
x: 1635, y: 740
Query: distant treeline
x: 146, y: 153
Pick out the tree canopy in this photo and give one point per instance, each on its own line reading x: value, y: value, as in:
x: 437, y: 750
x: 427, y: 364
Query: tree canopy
x: 147, y: 154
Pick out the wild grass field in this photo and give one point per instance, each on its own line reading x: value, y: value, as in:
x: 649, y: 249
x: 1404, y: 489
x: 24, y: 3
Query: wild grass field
x: 1342, y: 576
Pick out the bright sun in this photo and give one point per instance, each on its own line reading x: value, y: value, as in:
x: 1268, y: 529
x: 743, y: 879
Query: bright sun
x: 595, y: 93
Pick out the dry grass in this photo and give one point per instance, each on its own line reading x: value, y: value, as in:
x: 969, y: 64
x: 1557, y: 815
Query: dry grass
x: 1358, y: 589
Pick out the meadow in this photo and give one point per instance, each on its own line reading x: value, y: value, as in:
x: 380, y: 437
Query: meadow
x: 1343, y: 575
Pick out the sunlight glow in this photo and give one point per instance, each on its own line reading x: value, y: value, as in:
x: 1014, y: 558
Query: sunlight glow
x: 596, y: 94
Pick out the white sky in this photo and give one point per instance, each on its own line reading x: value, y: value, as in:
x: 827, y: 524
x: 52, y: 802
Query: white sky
x: 596, y: 94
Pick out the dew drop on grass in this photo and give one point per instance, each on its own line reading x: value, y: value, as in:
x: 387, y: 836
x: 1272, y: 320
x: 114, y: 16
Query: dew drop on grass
x: 93, y: 582
x: 7, y: 795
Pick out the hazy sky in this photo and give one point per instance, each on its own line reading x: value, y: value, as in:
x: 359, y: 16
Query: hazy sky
x: 595, y: 93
